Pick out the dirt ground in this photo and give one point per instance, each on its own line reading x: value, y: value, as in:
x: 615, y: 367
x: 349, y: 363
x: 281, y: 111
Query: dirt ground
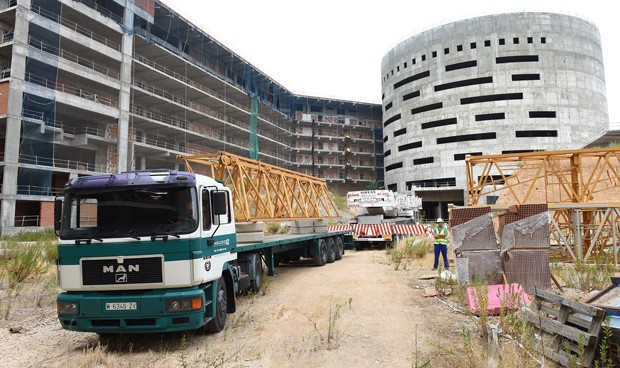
x: 357, y: 312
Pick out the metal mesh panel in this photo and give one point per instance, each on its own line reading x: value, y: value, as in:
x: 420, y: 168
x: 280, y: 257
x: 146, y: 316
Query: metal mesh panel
x: 530, y: 268
x: 520, y: 212
x: 530, y: 232
x: 483, y: 265
x: 460, y: 216
x: 475, y: 234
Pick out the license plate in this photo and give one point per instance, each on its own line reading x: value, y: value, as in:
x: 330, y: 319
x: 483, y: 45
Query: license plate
x: 121, y: 306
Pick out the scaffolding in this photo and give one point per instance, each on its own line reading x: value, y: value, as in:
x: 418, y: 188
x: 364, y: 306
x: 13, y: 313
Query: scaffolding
x: 581, y: 188
x: 263, y: 192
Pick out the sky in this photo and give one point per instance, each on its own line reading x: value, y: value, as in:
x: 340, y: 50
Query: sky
x: 333, y: 49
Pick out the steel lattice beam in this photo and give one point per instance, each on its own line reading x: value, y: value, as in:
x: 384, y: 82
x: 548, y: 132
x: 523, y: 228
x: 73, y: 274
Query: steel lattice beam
x: 263, y: 192
x: 561, y: 174
x: 583, y: 224
x: 585, y: 219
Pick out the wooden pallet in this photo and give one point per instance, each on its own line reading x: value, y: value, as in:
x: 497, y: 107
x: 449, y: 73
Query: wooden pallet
x: 567, y: 328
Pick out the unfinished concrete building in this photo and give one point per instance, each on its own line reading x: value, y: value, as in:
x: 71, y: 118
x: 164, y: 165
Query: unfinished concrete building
x: 505, y: 83
x: 93, y: 86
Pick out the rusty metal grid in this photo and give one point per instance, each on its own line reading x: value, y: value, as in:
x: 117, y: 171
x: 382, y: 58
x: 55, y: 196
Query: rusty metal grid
x: 459, y: 216
x: 519, y: 212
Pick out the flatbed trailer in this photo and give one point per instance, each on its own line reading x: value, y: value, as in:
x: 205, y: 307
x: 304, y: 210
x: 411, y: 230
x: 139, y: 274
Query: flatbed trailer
x: 145, y: 252
x: 274, y: 247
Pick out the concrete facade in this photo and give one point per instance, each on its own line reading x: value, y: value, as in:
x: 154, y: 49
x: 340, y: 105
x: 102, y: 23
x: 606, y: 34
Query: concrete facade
x: 92, y: 87
x: 489, y: 85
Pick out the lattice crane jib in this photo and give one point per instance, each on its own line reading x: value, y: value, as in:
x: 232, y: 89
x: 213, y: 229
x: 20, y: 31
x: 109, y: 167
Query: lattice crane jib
x: 558, y: 176
x: 264, y: 192
x: 581, y: 188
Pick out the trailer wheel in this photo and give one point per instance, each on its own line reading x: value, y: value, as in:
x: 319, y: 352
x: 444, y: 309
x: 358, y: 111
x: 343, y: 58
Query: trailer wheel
x: 331, y: 250
x: 339, y: 248
x: 320, y: 259
x: 258, y: 279
x: 217, y: 323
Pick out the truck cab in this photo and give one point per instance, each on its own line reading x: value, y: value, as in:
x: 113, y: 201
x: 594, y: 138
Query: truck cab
x: 145, y: 251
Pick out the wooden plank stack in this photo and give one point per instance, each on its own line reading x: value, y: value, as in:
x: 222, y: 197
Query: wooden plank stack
x: 569, y: 330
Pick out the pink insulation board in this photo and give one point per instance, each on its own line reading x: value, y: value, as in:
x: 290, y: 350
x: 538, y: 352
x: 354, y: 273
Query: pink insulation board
x: 511, y: 297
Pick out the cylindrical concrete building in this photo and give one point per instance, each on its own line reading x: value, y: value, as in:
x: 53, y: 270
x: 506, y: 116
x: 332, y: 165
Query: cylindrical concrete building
x: 505, y: 83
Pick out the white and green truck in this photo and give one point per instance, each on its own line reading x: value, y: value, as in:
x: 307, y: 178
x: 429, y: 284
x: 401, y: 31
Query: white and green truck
x: 144, y: 252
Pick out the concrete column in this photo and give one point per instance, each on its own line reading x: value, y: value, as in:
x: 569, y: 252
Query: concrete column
x: 14, y: 122
x: 125, y: 158
x: 101, y: 158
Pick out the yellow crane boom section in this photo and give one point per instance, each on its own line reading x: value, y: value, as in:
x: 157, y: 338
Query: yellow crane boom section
x: 264, y: 192
x: 577, y: 176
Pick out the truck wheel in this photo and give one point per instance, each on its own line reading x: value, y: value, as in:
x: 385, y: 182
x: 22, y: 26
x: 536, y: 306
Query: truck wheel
x: 331, y: 250
x: 258, y: 279
x: 321, y: 258
x: 217, y: 323
x: 359, y: 245
x: 339, y: 248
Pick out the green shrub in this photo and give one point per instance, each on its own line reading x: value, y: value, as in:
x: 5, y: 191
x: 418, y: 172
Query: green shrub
x: 409, y: 248
x: 30, y: 236
x: 272, y: 228
x: 586, y: 277
x: 415, y: 247
x: 340, y: 202
x: 24, y: 261
x: 50, y: 250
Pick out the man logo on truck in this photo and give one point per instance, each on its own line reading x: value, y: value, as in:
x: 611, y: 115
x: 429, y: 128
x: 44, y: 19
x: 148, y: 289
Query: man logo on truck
x: 121, y: 268
x: 121, y: 277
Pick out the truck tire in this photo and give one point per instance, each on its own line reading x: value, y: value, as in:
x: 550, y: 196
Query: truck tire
x: 339, y: 248
x: 331, y: 250
x: 217, y: 323
x: 258, y: 278
x: 320, y: 259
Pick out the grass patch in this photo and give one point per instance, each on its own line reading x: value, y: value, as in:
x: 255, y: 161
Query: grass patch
x: 409, y: 249
x: 26, y: 272
x: 273, y: 228
x: 32, y: 236
x: 21, y: 261
x: 586, y: 277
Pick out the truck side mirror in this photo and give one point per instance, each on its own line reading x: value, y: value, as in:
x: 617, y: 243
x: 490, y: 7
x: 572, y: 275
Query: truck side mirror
x: 57, y: 213
x: 219, y: 203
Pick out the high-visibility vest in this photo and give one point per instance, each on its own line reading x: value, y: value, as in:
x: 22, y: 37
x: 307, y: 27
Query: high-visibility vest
x: 438, y: 231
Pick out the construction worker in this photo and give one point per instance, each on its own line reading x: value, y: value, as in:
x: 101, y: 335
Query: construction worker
x: 440, y: 232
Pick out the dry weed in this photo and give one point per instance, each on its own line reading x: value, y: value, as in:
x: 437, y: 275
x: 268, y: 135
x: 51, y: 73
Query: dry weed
x: 408, y: 249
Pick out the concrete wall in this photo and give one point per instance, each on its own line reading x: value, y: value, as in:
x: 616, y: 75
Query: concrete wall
x: 488, y: 85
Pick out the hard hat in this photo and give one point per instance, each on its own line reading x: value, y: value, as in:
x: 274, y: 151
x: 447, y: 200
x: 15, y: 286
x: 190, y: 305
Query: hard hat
x: 439, y: 219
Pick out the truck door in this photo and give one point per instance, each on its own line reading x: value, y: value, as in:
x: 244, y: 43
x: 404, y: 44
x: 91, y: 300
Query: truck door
x: 217, y: 230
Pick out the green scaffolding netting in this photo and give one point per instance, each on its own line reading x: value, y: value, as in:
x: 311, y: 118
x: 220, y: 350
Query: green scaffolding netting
x: 253, y: 144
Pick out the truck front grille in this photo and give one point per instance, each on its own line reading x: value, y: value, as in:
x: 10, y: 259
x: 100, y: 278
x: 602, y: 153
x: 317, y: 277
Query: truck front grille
x: 130, y: 271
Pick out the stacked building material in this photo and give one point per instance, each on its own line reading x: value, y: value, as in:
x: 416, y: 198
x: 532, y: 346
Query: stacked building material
x: 524, y: 245
x: 475, y: 245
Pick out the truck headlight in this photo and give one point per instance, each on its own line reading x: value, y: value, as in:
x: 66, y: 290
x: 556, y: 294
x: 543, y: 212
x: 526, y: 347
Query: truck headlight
x: 183, y: 305
x: 67, y: 309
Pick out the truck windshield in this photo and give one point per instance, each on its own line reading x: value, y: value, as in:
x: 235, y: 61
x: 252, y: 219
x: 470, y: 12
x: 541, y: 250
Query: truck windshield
x: 132, y: 212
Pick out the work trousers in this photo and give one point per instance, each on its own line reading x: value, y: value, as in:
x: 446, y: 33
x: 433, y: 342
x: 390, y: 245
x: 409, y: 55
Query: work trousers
x: 443, y: 249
